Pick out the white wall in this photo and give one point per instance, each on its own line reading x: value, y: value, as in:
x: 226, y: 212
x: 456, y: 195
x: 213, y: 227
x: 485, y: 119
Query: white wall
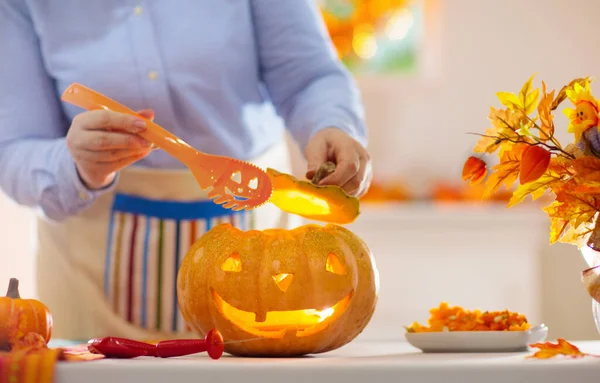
x: 418, y: 128
x: 16, y: 243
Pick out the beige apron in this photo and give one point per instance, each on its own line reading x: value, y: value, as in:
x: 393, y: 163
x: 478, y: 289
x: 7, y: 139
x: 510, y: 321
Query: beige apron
x: 111, y: 270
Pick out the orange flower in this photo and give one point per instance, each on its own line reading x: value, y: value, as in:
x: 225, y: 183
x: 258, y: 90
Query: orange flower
x: 585, y: 114
x: 475, y: 169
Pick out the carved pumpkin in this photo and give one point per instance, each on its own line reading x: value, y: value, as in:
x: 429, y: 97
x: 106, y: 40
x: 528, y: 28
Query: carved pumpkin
x: 281, y: 292
x: 19, y: 318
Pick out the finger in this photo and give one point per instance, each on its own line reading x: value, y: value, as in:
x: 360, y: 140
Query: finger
x: 347, y: 166
x: 147, y: 113
x: 124, y: 162
x: 352, y: 187
x: 97, y: 140
x: 367, y: 177
x: 316, y: 155
x: 105, y: 119
x: 355, y: 184
x: 109, y: 167
x: 112, y: 155
x: 366, y: 184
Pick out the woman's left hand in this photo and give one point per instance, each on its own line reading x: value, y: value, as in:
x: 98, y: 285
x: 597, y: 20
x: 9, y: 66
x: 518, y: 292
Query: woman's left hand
x: 353, y: 171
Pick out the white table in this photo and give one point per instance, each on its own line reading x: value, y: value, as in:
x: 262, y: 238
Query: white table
x: 360, y: 361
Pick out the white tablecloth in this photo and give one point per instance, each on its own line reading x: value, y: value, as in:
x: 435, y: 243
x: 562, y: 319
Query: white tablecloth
x: 360, y: 361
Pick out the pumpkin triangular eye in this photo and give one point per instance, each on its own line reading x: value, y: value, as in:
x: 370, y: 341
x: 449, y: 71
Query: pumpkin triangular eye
x: 334, y: 265
x: 232, y: 264
x: 283, y: 281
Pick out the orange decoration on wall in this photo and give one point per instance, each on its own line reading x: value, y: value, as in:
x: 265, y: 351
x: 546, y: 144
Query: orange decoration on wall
x: 380, y: 192
x: 441, y: 191
x: 450, y: 192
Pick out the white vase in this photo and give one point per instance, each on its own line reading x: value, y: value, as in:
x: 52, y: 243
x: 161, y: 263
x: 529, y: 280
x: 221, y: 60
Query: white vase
x: 591, y: 280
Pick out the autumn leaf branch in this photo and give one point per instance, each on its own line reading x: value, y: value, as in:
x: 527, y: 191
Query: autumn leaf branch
x: 551, y: 148
x: 530, y: 153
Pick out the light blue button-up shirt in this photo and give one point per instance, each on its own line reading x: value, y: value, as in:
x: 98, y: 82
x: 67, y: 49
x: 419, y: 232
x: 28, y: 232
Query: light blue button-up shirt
x: 227, y: 76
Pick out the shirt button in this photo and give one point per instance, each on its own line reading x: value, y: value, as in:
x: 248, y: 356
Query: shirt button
x: 138, y: 10
x: 83, y: 196
x: 152, y: 75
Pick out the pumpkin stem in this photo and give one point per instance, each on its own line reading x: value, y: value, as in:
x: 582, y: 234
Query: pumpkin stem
x: 323, y: 171
x: 13, y: 289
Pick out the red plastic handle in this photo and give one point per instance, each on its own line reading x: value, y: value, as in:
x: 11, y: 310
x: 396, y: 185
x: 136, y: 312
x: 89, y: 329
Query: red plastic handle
x: 114, y: 347
x: 212, y: 344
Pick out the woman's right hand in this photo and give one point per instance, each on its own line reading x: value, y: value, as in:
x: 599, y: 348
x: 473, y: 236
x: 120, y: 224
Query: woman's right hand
x: 103, y: 142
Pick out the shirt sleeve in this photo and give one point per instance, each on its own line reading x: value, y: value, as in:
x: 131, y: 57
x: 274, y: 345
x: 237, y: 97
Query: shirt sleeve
x: 36, y: 169
x: 307, y: 83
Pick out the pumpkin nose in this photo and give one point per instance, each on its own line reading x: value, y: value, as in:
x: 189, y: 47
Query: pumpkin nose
x: 283, y: 281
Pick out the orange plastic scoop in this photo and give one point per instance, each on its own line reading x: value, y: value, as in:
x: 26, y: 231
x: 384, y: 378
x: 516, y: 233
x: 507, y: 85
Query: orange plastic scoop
x: 237, y: 185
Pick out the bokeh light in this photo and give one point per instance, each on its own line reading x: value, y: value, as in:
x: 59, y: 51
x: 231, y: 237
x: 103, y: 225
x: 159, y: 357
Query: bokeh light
x: 365, y: 31
x: 399, y: 24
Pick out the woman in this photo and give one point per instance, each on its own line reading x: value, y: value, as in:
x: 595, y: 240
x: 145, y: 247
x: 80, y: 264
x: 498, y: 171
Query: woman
x: 215, y: 73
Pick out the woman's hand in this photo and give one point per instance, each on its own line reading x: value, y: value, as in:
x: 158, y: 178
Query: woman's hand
x: 353, y: 171
x: 103, y: 142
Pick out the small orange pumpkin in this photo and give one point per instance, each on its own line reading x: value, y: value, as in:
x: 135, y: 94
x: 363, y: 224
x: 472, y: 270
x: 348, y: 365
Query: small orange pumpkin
x: 281, y: 292
x: 20, y: 317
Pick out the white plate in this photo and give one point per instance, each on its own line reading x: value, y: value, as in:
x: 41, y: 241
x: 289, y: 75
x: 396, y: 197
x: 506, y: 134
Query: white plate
x: 477, y: 341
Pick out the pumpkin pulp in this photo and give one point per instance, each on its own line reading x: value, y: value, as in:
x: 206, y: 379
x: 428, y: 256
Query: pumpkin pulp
x: 323, y: 203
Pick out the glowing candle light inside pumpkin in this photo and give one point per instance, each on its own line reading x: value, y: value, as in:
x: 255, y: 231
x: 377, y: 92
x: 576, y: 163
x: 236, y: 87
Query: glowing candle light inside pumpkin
x: 302, y: 321
x: 277, y: 323
x: 322, y: 314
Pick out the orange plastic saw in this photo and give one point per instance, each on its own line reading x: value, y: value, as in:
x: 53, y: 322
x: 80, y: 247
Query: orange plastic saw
x: 234, y: 184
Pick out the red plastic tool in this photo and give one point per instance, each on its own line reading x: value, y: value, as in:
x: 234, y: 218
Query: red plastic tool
x: 113, y: 347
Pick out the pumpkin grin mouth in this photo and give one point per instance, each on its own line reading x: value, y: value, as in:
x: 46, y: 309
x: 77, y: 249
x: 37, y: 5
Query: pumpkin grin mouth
x: 277, y: 324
